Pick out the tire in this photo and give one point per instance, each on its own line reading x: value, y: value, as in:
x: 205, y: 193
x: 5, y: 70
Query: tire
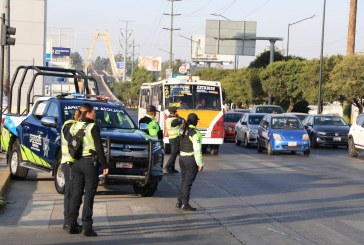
x: 17, y: 172
x: 246, y: 142
x: 306, y: 153
x: 352, y: 151
x: 59, y: 179
x: 147, y: 190
x: 237, y: 141
x: 167, y: 148
x: 259, y: 147
x: 215, y: 149
x: 313, y: 142
x: 269, y: 149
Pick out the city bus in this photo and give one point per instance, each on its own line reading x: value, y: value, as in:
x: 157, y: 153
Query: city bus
x: 188, y: 94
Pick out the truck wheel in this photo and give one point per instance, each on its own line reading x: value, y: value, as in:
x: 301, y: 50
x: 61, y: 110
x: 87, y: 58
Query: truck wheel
x: 215, y: 149
x: 352, y: 151
x: 167, y: 148
x: 147, y: 190
x: 17, y: 172
x: 59, y: 179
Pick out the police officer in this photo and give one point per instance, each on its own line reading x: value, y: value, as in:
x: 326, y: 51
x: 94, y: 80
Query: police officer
x: 190, y: 161
x: 173, y: 125
x: 154, y: 129
x: 66, y: 162
x: 84, y: 178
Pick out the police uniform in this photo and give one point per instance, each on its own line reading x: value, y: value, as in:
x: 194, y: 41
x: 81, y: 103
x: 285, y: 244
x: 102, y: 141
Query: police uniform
x: 173, y: 125
x: 190, y: 160
x: 85, y: 175
x: 154, y: 129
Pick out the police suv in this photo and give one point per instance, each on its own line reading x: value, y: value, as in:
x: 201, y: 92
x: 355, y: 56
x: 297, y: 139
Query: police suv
x: 33, y: 141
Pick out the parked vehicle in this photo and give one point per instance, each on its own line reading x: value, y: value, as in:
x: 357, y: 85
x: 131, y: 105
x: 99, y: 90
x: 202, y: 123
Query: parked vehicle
x: 230, y: 119
x: 300, y: 115
x: 282, y: 133
x: 326, y: 130
x: 267, y: 109
x: 356, y: 136
x: 246, y: 129
x: 239, y: 110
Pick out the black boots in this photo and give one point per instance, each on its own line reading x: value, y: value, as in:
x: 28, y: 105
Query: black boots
x: 89, y: 233
x: 179, y: 204
x: 187, y: 207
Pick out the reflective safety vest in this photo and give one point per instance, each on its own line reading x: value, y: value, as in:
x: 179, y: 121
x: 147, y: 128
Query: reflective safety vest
x: 66, y: 156
x: 88, y: 144
x: 192, y: 145
x: 173, y: 132
x: 153, y: 127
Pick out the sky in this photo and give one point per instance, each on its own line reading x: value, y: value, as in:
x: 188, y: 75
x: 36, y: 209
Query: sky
x: 146, y: 21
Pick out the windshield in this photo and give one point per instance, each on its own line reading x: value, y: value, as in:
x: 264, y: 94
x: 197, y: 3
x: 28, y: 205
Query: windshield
x: 232, y: 117
x: 286, y: 123
x: 106, y: 117
x: 332, y: 121
x: 185, y: 96
x: 255, y: 120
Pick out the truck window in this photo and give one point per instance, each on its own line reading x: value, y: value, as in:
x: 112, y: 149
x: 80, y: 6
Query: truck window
x: 39, y: 109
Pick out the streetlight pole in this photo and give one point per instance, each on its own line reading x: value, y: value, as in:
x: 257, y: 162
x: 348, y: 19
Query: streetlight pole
x: 319, y: 111
x: 291, y: 24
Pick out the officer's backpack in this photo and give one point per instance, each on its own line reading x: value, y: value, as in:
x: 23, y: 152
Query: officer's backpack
x: 75, y: 143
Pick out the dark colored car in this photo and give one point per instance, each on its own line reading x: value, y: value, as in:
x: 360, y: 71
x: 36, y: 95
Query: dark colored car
x: 326, y: 130
x: 230, y: 119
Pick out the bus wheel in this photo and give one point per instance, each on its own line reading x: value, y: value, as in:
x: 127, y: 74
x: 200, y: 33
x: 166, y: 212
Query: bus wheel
x: 167, y: 148
x: 214, y: 149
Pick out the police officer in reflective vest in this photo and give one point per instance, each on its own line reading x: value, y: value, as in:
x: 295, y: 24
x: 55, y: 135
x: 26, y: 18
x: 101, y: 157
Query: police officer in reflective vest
x: 154, y: 129
x: 190, y: 161
x: 173, y: 125
x: 84, y: 178
x: 66, y: 162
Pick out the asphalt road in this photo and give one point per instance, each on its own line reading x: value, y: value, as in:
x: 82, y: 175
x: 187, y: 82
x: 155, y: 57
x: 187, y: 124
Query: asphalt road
x: 242, y: 198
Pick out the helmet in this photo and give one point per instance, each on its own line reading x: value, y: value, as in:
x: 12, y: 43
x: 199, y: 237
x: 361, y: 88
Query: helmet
x: 192, y: 119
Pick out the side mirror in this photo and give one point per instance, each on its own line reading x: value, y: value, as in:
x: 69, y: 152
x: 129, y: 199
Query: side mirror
x: 243, y: 123
x: 143, y: 126
x: 49, y: 122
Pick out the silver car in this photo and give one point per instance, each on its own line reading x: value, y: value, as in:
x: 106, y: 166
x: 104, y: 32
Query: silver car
x: 246, y: 129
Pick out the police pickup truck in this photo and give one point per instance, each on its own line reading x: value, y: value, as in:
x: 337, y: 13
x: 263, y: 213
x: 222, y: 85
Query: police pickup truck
x: 33, y: 141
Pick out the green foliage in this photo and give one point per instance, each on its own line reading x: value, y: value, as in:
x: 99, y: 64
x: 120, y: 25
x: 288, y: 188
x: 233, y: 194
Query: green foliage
x: 212, y: 74
x: 76, y: 61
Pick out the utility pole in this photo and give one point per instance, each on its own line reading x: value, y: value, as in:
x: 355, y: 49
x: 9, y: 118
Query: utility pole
x: 171, y: 29
x: 132, y: 64
x: 126, y: 38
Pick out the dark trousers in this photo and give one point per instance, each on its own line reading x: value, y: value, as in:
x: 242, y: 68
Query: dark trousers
x: 189, y: 171
x: 66, y: 169
x: 170, y: 165
x: 84, y: 181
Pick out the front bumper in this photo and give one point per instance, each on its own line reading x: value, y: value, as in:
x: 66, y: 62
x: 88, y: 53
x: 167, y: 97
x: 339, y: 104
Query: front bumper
x: 287, y: 146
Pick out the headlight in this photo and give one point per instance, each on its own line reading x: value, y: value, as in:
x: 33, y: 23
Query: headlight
x: 277, y: 137
x: 228, y: 128
x: 254, y: 131
x: 321, y: 133
x: 305, y: 137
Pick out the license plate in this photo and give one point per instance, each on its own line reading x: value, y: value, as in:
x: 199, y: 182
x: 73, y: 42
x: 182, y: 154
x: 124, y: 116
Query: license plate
x: 292, y: 143
x: 337, y: 139
x: 124, y: 165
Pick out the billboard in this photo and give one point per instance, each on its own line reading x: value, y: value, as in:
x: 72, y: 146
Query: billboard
x: 230, y: 37
x: 198, y: 51
x: 150, y: 63
x: 61, y: 52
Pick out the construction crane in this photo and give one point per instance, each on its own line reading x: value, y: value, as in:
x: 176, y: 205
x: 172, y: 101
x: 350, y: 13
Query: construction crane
x: 106, y: 38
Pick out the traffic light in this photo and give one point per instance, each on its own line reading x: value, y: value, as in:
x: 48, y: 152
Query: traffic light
x: 6, y: 31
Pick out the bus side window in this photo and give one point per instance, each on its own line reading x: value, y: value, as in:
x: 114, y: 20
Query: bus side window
x: 144, y: 98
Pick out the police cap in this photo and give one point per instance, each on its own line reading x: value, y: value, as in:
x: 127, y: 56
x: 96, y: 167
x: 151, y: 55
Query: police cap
x: 151, y: 108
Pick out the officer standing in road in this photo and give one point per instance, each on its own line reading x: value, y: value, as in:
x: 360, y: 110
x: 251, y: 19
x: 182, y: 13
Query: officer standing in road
x: 173, y: 124
x: 190, y: 161
x: 154, y: 130
x: 66, y: 166
x: 84, y: 178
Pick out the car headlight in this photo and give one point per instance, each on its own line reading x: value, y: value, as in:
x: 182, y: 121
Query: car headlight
x: 321, y: 133
x: 277, y: 137
x: 305, y: 137
x: 228, y: 128
x: 254, y: 131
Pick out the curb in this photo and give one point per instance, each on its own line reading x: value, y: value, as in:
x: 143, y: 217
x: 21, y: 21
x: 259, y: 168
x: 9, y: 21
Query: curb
x: 4, y: 181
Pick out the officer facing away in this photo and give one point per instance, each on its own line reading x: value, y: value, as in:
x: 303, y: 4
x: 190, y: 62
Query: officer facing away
x: 173, y: 124
x: 154, y: 130
x: 190, y: 161
x: 66, y: 162
x: 84, y: 178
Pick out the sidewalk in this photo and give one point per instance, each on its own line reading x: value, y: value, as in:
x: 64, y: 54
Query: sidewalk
x: 4, y: 174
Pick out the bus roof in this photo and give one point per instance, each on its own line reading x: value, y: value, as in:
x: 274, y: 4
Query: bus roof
x: 184, y: 80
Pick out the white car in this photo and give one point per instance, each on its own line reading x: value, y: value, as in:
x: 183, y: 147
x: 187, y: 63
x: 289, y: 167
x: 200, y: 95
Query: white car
x: 356, y: 136
x: 246, y: 129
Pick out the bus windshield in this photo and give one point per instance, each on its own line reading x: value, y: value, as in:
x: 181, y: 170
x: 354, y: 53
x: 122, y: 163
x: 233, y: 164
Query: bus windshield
x: 186, y: 96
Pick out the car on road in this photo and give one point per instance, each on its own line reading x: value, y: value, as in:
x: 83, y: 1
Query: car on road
x: 356, y: 136
x: 326, y: 130
x: 246, y: 129
x: 267, y: 109
x: 282, y: 133
x: 239, y: 110
x: 300, y: 115
x: 230, y: 119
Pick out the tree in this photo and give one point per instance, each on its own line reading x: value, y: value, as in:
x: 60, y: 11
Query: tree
x: 263, y: 60
x: 347, y: 79
x: 76, y: 61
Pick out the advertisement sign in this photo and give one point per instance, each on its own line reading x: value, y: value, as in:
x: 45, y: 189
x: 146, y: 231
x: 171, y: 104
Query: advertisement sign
x: 198, y: 51
x: 150, y: 63
x: 60, y: 52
